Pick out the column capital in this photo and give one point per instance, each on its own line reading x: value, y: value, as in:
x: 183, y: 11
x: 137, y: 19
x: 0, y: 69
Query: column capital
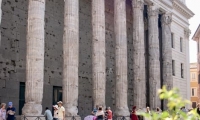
x: 138, y: 4
x: 166, y: 19
x: 187, y: 32
x: 153, y: 10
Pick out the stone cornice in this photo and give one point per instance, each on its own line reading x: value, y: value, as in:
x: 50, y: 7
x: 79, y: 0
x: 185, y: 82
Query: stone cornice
x: 182, y: 8
x: 168, y: 5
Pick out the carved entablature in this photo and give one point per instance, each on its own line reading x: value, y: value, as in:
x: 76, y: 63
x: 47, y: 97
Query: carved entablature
x: 187, y: 32
x: 166, y: 18
x: 153, y: 11
x: 138, y: 4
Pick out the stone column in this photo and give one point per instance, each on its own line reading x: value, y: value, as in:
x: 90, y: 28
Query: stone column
x: 139, y: 55
x: 154, y: 62
x: 121, y: 58
x: 34, y: 58
x: 71, y: 57
x: 167, y: 52
x: 98, y: 49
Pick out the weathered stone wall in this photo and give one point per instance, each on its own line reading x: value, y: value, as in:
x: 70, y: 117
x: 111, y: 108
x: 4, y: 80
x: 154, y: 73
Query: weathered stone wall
x: 13, y: 49
x: 85, y: 58
x: 13, y: 52
x: 53, y: 62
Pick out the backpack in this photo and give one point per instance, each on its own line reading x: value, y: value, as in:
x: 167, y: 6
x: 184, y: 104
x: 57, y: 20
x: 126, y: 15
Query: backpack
x: 109, y: 115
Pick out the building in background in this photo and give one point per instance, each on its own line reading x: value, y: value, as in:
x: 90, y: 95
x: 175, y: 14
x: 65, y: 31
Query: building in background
x: 194, y: 84
x: 196, y: 37
x: 87, y: 53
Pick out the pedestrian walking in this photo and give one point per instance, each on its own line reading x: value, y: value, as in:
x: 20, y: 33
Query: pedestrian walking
x: 94, y: 111
x: 100, y: 113
x: 158, y: 110
x: 108, y: 114
x: 55, y: 112
x: 133, y: 115
x: 61, y: 111
x: 48, y: 114
x: 10, y: 111
x: 3, y: 111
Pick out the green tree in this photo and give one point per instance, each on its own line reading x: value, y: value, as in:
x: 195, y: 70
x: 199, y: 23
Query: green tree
x: 175, y: 102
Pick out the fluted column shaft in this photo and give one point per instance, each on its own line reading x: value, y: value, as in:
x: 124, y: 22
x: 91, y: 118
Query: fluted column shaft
x: 139, y: 83
x: 154, y: 62
x: 98, y: 49
x: 34, y: 58
x: 71, y: 57
x: 167, y: 52
x: 121, y: 57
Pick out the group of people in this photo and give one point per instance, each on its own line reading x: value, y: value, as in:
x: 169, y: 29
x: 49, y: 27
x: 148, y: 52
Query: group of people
x: 135, y: 116
x: 99, y: 114
x: 7, y: 114
x: 58, y: 112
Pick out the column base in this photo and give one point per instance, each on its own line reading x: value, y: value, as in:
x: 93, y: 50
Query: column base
x: 32, y: 109
x: 73, y: 118
x: 122, y: 112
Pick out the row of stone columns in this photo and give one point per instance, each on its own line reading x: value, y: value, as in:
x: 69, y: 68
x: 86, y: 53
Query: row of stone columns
x: 35, y: 55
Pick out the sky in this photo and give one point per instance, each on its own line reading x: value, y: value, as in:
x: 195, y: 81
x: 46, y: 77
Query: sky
x: 193, y: 5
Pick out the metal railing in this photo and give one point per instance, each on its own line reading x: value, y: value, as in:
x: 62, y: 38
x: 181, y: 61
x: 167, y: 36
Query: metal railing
x: 73, y: 118
x: 33, y: 117
x: 121, y: 117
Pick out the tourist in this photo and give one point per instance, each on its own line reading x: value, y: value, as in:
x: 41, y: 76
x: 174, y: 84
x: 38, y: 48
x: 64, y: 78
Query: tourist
x: 183, y: 109
x: 3, y: 111
x: 95, y: 110
x: 100, y: 113
x: 10, y: 111
x: 48, y: 114
x: 108, y: 114
x: 148, y: 110
x: 61, y: 111
x: 158, y: 110
x: 55, y: 112
x: 133, y: 115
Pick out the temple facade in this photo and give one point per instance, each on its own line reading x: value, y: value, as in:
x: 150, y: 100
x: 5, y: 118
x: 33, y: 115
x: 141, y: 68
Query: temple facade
x: 115, y: 53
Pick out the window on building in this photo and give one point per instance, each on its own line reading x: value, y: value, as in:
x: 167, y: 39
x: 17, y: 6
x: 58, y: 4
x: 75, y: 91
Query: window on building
x: 193, y: 75
x: 182, y: 75
x: 21, y: 96
x: 194, y: 104
x: 198, y: 47
x: 173, y: 67
x: 193, y: 92
x: 172, y: 39
x: 181, y: 44
x: 57, y: 95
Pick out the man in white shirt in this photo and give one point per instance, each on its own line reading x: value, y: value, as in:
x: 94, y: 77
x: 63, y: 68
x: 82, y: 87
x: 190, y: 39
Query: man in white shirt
x: 61, y: 111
